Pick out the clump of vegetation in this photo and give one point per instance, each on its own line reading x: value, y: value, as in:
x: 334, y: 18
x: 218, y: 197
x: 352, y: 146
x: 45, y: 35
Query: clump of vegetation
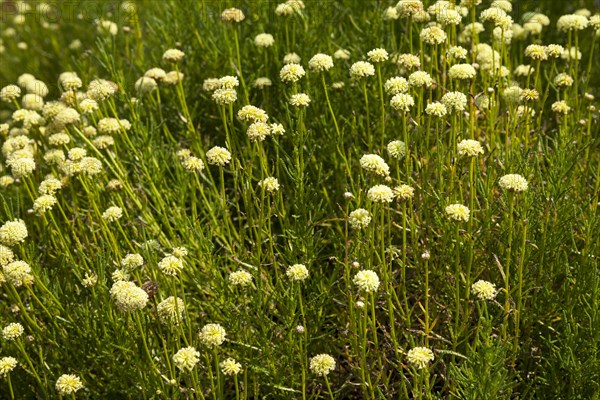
x: 326, y: 200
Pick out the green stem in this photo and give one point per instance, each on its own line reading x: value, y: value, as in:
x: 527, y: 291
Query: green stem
x: 382, y: 101
x: 507, y: 266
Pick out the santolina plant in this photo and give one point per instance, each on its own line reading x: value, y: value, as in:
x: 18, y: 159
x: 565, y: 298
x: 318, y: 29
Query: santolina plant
x: 299, y: 200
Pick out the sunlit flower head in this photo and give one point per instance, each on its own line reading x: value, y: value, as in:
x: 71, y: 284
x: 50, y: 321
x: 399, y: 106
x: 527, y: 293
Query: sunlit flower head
x: 433, y: 35
x: 186, y: 358
x: 462, y: 71
x: 342, y: 54
x: 454, y: 101
x: 436, y: 109
x: 49, y: 186
x: 253, y: 114
x: 530, y: 95
x: 484, y: 290
x: 112, y: 214
x: 89, y: 280
x: 224, y: 96
x: 145, y: 84
x: 10, y: 93
x: 262, y: 82
x: 380, y: 194
x: 572, y: 22
x: 21, y: 167
x: 492, y: 14
x: 128, y: 297
x: 561, y: 107
x: 402, y: 102
x: 366, y: 280
x: 17, y: 273
x: 420, y: 357
x: 230, y: 367
x: 6, y: 255
x: 322, y: 364
x: 513, y: 182
x: 449, y: 17
x: 240, y: 278
x: 396, y: 85
x: 112, y: 126
x: 13, y: 232
x: 420, y: 79
x: 409, y: 8
x: 232, y: 15
x: 173, y: 55
x: 228, y: 82
x: 277, y: 129
x: 361, y: 69
x: 571, y: 54
x: 212, y: 335
x: 378, y: 55
x: 193, y: 164
x: 359, y: 218
x: 68, y: 384
x: 132, y: 261
x: 7, y: 364
x: 563, y: 80
x: 258, y: 131
x: 218, y: 156
x: 297, y: 272
x: 390, y: 13
x: 291, y: 73
x: 404, y: 192
x: 458, y: 212
x: 269, y: 184
x: 408, y: 61
x: 300, y: 100
x: 536, y: 52
x: 12, y: 331
x: 457, y: 53
x: 320, y: 62
x: 44, y: 203
x: 291, y: 58
x: 374, y: 163
x: 158, y: 74
x: 469, y: 148
x: 396, y: 149
x: 284, y: 10
x: 170, y: 310
x: 264, y: 40
x: 170, y: 265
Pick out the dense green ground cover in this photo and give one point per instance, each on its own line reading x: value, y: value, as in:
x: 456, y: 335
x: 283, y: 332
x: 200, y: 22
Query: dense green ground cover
x: 429, y: 222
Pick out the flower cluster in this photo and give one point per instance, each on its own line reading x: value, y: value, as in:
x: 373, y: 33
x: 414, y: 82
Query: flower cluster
x: 420, y: 357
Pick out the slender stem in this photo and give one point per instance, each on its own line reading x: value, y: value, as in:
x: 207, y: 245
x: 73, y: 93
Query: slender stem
x: 427, y: 328
x: 382, y: 102
x: 10, y: 388
x: 366, y: 96
x: 335, y: 123
x: 329, y: 387
x: 237, y: 387
x: 239, y: 64
x: 507, y: 266
x: 520, y: 285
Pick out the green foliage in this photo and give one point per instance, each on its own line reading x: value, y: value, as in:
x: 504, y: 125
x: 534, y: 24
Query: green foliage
x: 533, y: 335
